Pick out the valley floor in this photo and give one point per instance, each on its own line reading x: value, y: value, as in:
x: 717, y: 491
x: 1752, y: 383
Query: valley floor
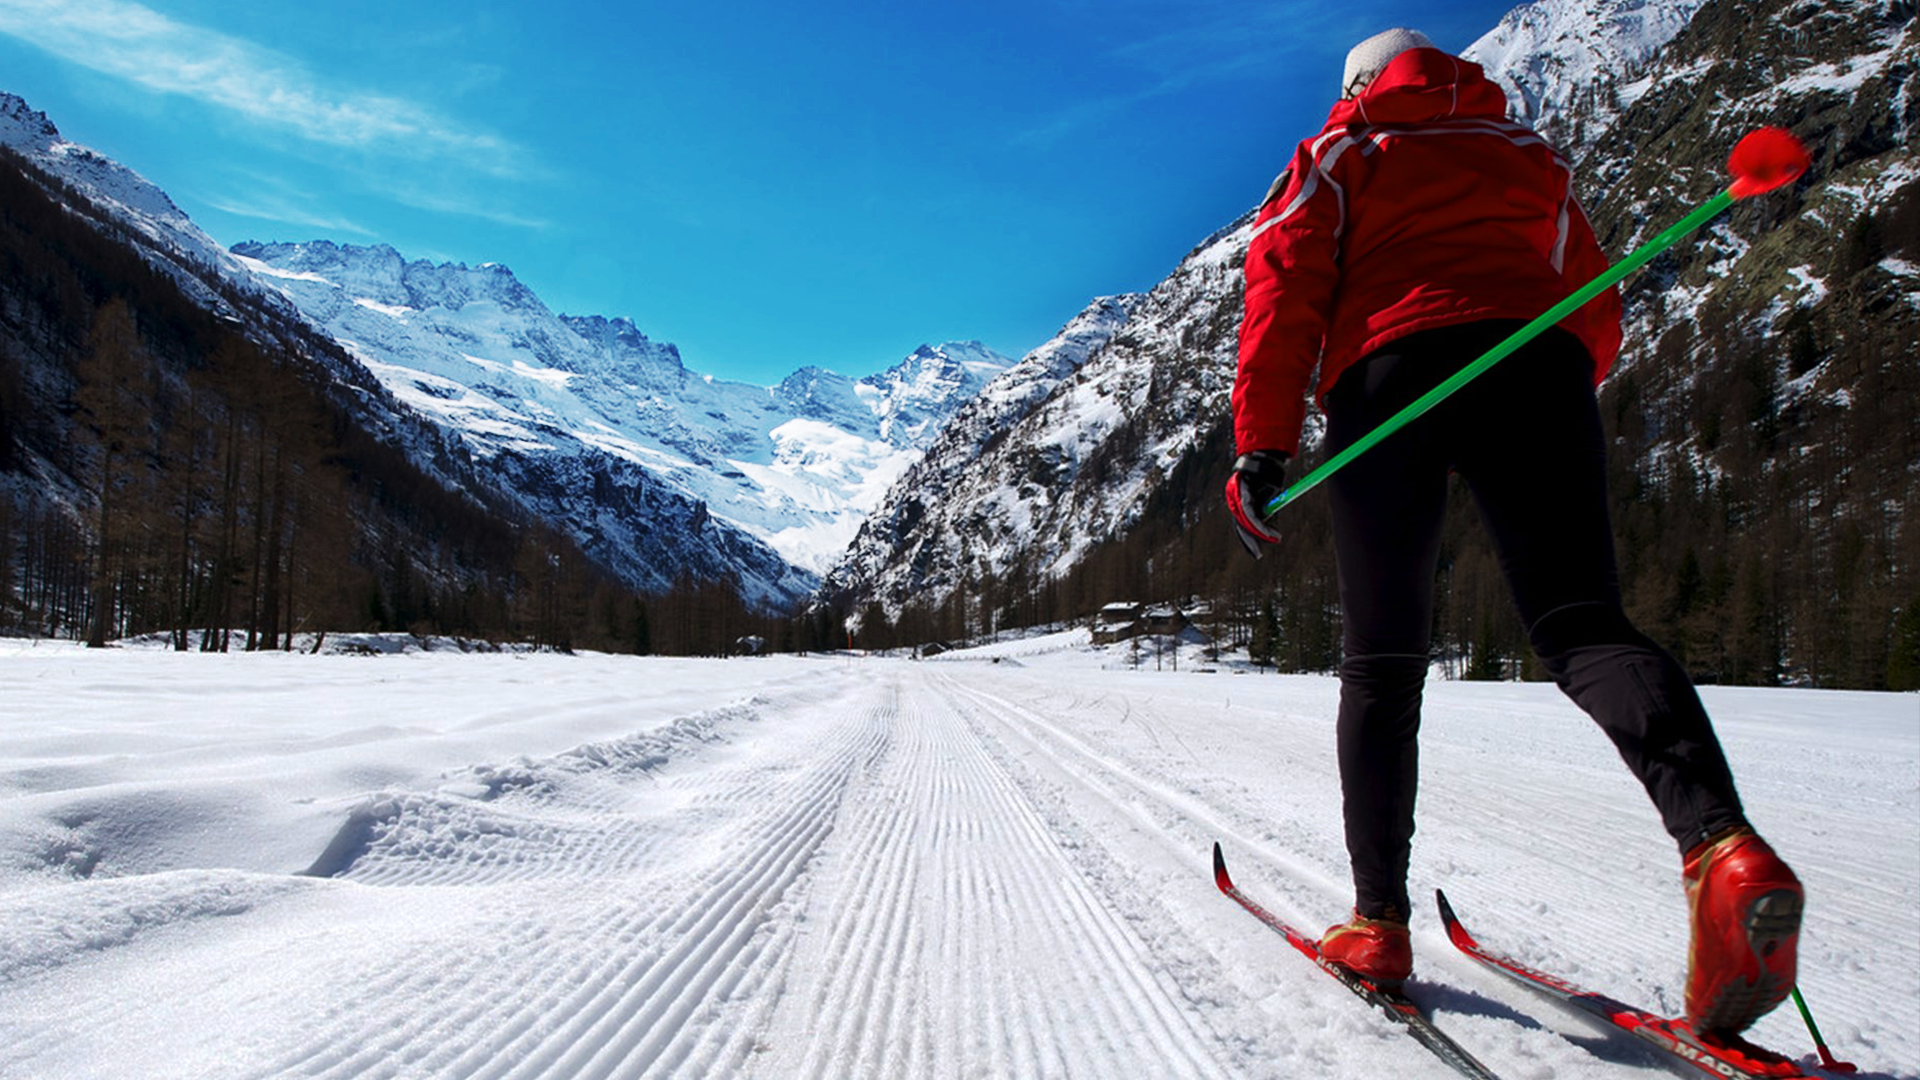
x: 994, y: 864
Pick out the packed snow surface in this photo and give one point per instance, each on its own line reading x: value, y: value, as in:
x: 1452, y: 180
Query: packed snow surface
x: 990, y: 864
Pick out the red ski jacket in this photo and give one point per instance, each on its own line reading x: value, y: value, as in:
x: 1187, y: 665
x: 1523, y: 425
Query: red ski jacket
x: 1419, y: 205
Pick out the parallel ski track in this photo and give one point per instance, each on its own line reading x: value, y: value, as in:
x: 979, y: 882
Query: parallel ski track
x: 612, y: 964
x: 1179, y: 822
x: 936, y: 860
x: 1185, y: 823
x: 857, y: 899
x: 1564, y: 805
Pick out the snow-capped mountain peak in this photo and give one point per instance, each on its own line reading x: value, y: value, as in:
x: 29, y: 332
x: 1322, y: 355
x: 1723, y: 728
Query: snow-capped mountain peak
x: 1553, y: 55
x: 914, y: 397
x: 381, y: 275
x: 167, y: 236
x: 25, y: 128
x: 796, y: 466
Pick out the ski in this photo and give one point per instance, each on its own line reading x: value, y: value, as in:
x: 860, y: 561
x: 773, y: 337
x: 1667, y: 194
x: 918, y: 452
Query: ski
x: 1675, y: 1039
x: 1396, y: 1005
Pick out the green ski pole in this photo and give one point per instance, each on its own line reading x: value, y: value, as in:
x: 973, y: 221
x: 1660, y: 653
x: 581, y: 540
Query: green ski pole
x: 1826, y: 1056
x: 1761, y: 161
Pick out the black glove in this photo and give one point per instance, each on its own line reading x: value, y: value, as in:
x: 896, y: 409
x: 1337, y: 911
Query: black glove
x: 1258, y: 478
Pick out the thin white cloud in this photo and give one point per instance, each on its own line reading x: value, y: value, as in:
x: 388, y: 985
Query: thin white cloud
x: 267, y: 209
x: 441, y: 201
x: 129, y: 41
x: 1228, y: 41
x: 1172, y: 49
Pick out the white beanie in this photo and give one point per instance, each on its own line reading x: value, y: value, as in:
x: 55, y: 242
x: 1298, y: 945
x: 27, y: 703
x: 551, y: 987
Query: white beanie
x: 1371, y: 57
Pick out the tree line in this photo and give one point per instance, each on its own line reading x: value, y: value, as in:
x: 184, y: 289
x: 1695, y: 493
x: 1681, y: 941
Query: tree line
x: 1783, y: 553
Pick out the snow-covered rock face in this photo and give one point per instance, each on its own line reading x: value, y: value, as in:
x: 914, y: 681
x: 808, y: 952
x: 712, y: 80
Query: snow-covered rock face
x: 914, y: 398
x: 25, y: 128
x: 1557, y: 56
x: 1007, y: 482
x: 797, y: 466
x: 907, y: 548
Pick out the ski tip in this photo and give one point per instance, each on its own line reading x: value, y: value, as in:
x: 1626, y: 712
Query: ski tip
x: 1455, y: 931
x: 1220, y: 877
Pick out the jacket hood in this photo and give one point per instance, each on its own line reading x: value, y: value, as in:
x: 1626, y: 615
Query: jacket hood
x: 1419, y: 86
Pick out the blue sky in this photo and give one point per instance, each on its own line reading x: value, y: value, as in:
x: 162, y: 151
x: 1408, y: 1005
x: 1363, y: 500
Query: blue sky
x: 765, y: 184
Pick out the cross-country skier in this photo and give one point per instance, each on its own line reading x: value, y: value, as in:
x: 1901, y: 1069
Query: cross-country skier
x: 1417, y: 230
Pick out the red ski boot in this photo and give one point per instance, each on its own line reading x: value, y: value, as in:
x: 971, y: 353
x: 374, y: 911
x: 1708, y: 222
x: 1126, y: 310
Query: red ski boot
x: 1746, y: 909
x: 1377, y: 950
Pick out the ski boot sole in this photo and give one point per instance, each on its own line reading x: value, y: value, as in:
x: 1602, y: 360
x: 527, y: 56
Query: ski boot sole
x: 1773, y: 921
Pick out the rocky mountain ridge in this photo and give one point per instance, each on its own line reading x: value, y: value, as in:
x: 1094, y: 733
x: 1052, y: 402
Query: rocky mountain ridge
x: 1757, y: 392
x: 1570, y: 68
x: 144, y: 216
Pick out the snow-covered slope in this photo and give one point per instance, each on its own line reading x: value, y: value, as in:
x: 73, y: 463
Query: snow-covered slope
x: 1030, y: 477
x: 796, y: 466
x: 164, y: 233
x: 914, y: 399
x: 496, y: 866
x: 645, y: 531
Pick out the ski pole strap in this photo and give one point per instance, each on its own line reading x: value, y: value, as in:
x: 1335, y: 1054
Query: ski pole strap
x: 1634, y: 261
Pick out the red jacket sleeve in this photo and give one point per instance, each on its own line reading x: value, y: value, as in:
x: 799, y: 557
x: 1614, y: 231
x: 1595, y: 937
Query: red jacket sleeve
x: 1291, y: 272
x: 1598, y: 321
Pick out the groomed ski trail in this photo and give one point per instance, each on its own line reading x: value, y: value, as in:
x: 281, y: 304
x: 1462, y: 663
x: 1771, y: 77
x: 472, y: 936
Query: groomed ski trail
x: 960, y: 939
x: 625, y: 909
x: 874, y: 868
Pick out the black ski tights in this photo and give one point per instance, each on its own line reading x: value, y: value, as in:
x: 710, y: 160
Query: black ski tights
x: 1526, y: 438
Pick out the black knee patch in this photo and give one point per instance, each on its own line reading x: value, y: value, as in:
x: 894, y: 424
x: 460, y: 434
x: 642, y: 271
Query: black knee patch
x: 1580, y: 626
x: 1392, y: 672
